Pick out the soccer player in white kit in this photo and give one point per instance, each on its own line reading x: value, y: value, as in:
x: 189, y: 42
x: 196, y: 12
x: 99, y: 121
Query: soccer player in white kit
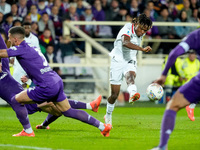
x: 123, y: 60
x: 29, y: 38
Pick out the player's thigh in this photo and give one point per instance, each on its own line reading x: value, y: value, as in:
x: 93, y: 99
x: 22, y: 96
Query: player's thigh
x: 23, y: 97
x: 191, y: 89
x: 116, y: 72
x: 130, y: 71
x: 50, y: 108
x: 63, y: 105
x: 177, y: 102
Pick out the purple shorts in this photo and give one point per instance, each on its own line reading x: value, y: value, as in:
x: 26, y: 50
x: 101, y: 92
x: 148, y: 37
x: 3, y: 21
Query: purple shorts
x: 191, y: 90
x: 32, y: 108
x: 53, y: 93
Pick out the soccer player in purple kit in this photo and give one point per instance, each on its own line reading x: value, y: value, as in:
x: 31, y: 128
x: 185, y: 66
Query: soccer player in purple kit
x: 13, y: 88
x: 186, y: 94
x: 49, y: 86
x: 8, y: 90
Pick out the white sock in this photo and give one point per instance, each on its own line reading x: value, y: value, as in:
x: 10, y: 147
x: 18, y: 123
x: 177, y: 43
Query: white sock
x: 43, y: 125
x: 110, y: 108
x: 193, y: 105
x: 101, y: 126
x: 132, y: 89
x: 29, y: 130
x: 88, y: 106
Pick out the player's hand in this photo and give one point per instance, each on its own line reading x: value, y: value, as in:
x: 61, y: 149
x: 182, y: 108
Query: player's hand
x: 147, y: 49
x: 161, y: 80
x: 24, y: 79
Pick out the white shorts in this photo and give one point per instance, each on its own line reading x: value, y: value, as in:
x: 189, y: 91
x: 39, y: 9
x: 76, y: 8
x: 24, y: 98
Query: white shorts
x: 119, y: 69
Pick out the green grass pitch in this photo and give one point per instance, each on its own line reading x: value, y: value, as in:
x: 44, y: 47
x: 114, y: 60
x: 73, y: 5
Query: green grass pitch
x: 135, y: 127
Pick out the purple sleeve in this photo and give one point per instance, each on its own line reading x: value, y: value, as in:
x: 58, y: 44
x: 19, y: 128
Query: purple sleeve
x: 177, y: 51
x: 14, y: 51
x: 2, y: 43
x: 4, y: 61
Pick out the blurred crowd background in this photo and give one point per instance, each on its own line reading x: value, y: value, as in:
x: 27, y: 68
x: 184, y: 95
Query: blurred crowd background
x: 46, y: 19
x: 47, y: 16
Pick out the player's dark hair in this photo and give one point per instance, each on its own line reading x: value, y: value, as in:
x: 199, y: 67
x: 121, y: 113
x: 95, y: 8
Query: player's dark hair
x: 17, y: 31
x: 143, y: 20
x: 26, y: 23
x: 50, y: 44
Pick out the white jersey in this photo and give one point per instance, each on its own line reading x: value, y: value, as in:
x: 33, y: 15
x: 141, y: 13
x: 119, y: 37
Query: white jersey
x: 18, y: 70
x: 32, y: 39
x: 120, y: 52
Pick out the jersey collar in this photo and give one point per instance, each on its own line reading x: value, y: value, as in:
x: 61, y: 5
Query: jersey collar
x: 133, y: 28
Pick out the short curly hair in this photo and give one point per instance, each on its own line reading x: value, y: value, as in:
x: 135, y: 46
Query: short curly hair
x: 143, y: 20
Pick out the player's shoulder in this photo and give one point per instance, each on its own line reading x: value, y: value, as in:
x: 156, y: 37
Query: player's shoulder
x: 16, y: 47
x: 128, y: 26
x: 34, y: 37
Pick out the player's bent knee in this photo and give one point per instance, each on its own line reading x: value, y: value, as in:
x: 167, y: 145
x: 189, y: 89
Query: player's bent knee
x: 172, y: 105
x: 177, y: 102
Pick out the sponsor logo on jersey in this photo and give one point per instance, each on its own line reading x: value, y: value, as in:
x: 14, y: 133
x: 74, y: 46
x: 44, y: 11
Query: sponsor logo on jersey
x: 46, y: 69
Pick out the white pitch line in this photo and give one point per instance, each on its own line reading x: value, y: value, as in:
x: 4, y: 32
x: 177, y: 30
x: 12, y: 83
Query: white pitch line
x: 29, y: 147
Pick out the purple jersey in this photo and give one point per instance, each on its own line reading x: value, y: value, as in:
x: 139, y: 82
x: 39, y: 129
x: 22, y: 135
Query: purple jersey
x: 7, y: 91
x: 190, y: 90
x: 35, y: 64
x: 189, y: 42
x: 9, y: 87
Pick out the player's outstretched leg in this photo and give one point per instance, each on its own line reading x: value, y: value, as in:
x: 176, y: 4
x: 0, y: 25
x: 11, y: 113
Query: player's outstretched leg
x: 167, y: 127
x: 50, y: 118
x: 85, y: 117
x: 190, y: 111
x: 22, y: 115
x: 94, y: 106
x: 134, y: 96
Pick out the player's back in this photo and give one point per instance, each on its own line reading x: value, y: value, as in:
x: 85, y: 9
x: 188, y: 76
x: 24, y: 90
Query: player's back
x: 35, y: 64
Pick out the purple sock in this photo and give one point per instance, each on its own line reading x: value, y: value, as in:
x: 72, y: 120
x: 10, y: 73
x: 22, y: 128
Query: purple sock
x: 77, y: 105
x: 50, y: 118
x: 21, y: 113
x: 82, y: 116
x: 167, y: 127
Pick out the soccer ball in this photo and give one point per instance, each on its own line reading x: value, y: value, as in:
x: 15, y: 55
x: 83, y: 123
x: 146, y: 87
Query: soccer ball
x: 154, y: 91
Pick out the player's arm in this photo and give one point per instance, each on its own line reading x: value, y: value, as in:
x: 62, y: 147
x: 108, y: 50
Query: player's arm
x: 127, y: 43
x: 177, y: 51
x: 3, y: 53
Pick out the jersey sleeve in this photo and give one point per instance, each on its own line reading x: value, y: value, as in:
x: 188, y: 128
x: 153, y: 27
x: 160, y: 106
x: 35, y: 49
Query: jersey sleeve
x: 4, y: 61
x: 15, y: 51
x: 126, y: 31
x: 177, y: 51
